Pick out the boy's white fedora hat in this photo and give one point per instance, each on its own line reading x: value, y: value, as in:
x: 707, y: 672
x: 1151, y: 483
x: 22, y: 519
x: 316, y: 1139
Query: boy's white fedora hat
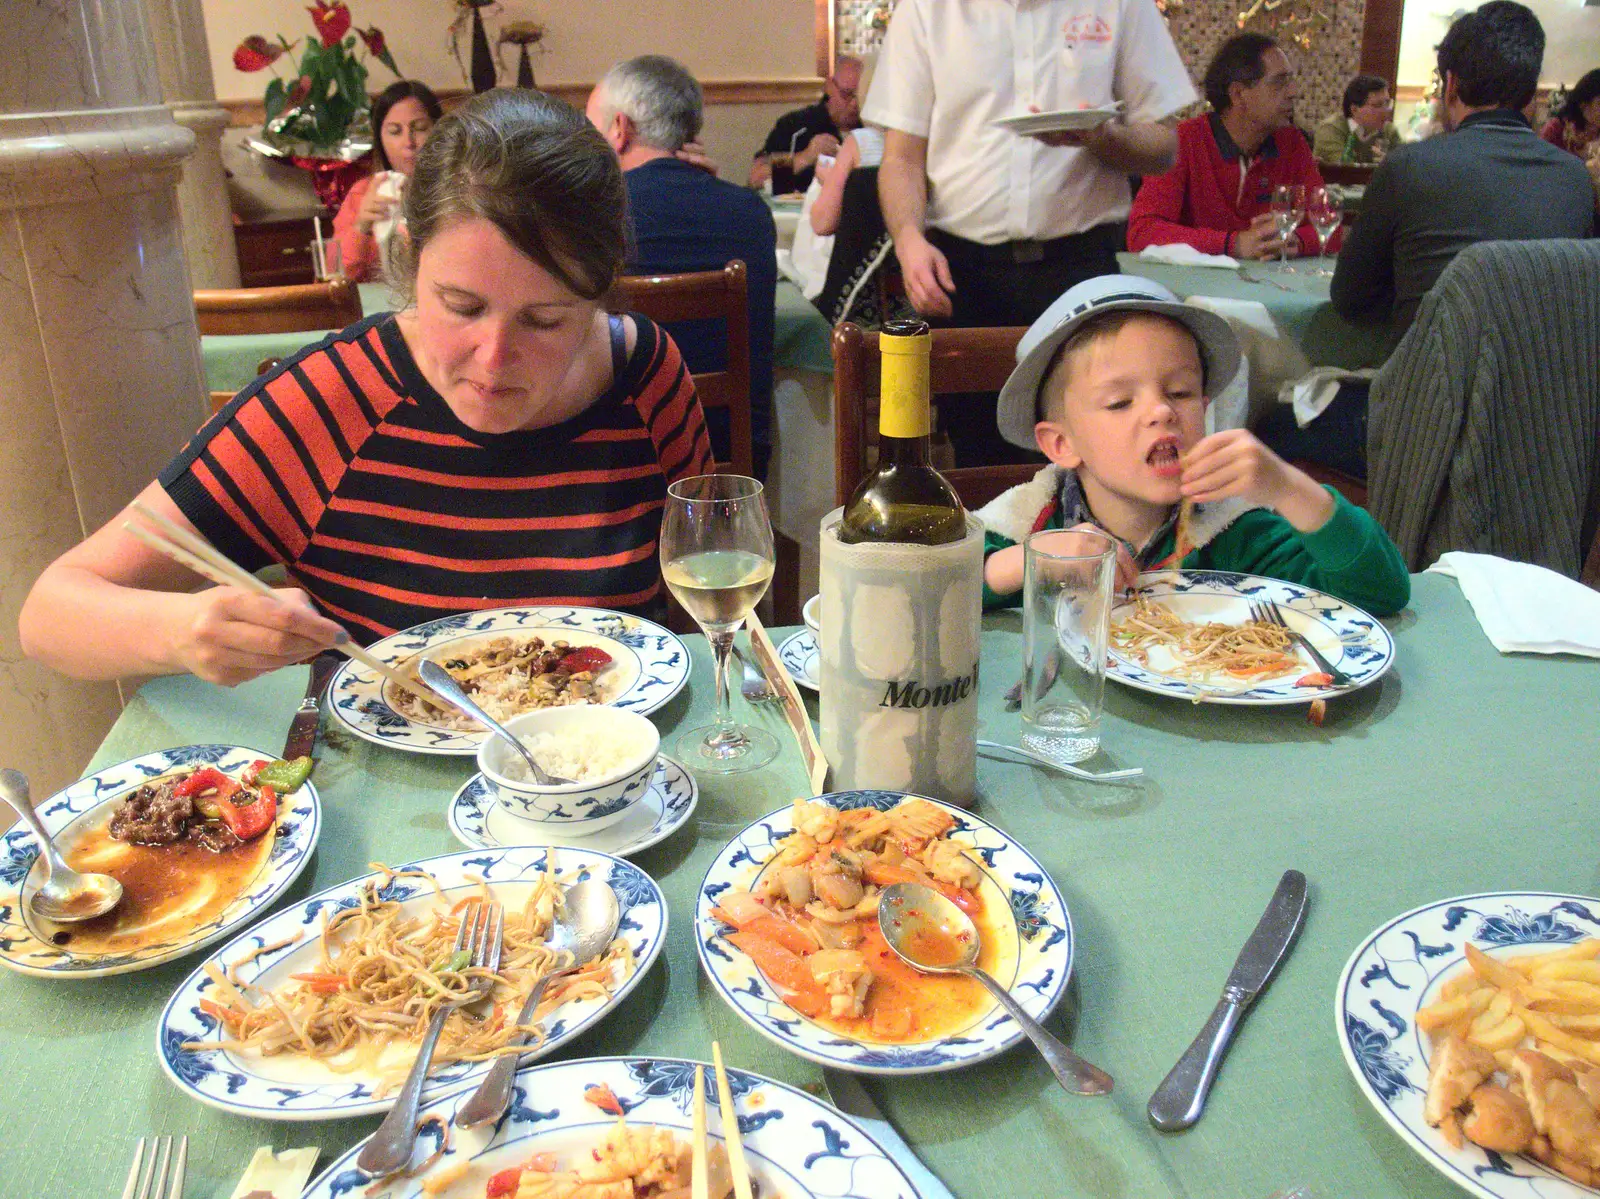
x: 1019, y: 398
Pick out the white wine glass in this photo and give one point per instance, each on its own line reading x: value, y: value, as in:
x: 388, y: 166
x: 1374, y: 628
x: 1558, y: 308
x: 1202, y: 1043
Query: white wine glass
x: 1288, y: 209
x: 716, y: 558
x: 1325, y: 210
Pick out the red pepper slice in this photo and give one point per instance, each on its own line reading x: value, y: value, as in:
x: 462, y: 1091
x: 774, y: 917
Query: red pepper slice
x: 248, y: 778
x: 584, y: 657
x: 206, y: 779
x: 604, y: 1098
x: 249, y: 820
x: 1315, y: 679
x: 323, y: 984
x: 504, y: 1184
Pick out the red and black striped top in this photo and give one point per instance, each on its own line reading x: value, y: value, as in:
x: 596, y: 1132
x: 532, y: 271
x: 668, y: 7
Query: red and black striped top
x: 346, y: 465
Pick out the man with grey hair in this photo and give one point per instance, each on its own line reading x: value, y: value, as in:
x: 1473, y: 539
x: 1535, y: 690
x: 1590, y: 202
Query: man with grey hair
x: 685, y: 219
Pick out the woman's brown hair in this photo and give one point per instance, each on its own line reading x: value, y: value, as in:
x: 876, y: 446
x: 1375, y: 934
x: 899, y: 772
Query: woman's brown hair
x: 536, y: 169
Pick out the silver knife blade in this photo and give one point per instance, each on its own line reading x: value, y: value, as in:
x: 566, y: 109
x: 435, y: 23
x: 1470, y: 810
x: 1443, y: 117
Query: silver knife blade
x: 851, y: 1098
x: 303, y: 728
x: 1181, y: 1097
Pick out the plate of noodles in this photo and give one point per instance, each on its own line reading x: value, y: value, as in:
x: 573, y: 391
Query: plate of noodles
x: 315, y: 1014
x: 787, y: 932
x: 510, y: 661
x: 1189, y: 634
x: 187, y: 881
x: 610, y: 1126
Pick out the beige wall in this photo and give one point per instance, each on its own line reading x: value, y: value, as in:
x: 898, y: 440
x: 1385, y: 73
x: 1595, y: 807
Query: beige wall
x: 1571, y: 31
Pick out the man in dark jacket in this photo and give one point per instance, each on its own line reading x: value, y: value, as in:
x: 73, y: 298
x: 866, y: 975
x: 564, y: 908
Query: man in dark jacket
x: 789, y: 155
x: 685, y: 219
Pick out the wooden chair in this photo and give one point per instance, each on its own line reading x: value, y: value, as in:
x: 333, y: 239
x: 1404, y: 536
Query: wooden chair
x: 302, y: 307
x: 964, y: 360
x: 1344, y: 173
x: 708, y: 295
x: 219, y: 399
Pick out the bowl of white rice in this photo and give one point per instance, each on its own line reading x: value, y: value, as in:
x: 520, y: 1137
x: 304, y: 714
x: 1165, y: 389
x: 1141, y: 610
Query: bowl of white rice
x: 609, y: 753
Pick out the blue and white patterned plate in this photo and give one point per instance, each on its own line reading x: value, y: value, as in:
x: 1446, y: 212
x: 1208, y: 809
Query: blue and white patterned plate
x: 1348, y: 637
x: 87, y: 803
x: 796, y: 1146
x: 477, y: 820
x: 291, y: 1087
x: 1034, y: 960
x: 1398, y: 971
x: 802, y: 659
x: 650, y: 666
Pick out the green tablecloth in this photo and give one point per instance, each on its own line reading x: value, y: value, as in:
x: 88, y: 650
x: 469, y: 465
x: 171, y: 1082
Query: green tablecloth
x: 1297, y: 300
x: 1462, y: 770
x: 800, y: 340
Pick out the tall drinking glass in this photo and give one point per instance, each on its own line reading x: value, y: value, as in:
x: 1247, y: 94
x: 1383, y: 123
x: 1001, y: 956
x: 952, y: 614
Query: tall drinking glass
x: 1324, y: 209
x: 716, y: 558
x: 1068, y: 576
x: 1288, y: 209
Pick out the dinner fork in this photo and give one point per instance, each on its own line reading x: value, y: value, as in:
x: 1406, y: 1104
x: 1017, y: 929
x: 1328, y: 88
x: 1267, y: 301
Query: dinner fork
x: 157, y: 1173
x: 1267, y: 612
x: 754, y: 687
x: 389, y: 1150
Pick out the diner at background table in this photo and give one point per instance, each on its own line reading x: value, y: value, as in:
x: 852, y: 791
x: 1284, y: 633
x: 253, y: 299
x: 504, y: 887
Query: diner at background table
x: 1163, y: 880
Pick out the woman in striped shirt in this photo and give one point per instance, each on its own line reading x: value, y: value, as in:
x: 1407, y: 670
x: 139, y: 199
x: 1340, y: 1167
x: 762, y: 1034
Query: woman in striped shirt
x: 502, y: 440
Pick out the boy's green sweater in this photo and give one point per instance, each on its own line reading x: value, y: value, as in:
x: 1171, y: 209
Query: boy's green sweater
x: 1350, y: 557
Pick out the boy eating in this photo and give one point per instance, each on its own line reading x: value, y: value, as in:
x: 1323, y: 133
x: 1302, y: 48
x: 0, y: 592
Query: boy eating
x: 1111, y: 384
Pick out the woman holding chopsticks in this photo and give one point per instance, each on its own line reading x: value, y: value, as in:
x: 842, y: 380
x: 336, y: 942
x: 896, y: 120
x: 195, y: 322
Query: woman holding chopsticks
x: 503, y: 440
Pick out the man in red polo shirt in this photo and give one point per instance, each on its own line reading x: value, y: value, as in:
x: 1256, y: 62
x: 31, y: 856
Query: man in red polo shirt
x: 1218, y: 195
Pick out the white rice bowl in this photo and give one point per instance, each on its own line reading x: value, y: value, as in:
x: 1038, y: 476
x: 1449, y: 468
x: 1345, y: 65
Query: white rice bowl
x: 619, y: 748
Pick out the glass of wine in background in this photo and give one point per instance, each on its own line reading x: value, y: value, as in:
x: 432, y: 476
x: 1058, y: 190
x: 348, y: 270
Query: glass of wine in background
x: 716, y: 558
x: 1288, y: 209
x: 1325, y: 210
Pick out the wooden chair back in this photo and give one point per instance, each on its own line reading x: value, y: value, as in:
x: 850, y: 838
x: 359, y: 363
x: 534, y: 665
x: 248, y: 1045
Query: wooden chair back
x: 703, y: 295
x: 963, y: 360
x: 1344, y: 173
x: 301, y: 307
x: 219, y: 399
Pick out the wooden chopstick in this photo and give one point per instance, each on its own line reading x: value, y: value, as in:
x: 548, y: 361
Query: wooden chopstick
x: 200, y: 556
x: 730, y: 1129
x: 699, y: 1180
x: 794, y: 710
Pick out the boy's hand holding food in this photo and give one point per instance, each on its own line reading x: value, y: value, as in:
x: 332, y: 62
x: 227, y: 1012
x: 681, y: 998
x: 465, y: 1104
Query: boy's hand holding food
x: 1234, y: 463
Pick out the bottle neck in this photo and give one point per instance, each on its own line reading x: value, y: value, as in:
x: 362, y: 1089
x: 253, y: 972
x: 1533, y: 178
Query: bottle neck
x: 903, y: 451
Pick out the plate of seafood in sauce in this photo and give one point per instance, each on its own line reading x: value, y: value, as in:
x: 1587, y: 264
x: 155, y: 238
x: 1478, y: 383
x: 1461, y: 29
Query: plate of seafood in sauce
x: 786, y: 929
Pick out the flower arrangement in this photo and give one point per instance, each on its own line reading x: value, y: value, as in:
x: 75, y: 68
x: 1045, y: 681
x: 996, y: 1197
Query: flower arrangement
x: 322, y: 113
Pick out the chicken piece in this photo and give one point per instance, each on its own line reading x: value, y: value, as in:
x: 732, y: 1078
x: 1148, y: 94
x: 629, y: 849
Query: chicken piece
x: 794, y: 850
x: 1498, y: 1120
x: 1587, y: 1076
x: 1454, y: 1073
x: 915, y: 822
x: 836, y: 877
x: 947, y: 863
x: 640, y: 1155
x: 816, y: 820
x: 844, y: 975
x: 1545, y: 1152
x: 1536, y: 1071
x: 1571, y: 1124
x: 790, y: 884
x: 827, y: 914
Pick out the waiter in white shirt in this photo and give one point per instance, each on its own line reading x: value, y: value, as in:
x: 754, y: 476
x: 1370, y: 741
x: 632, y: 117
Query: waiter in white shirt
x: 990, y: 227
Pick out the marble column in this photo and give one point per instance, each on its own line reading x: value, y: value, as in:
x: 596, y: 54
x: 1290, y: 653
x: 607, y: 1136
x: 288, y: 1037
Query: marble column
x: 100, y: 375
x: 183, y: 67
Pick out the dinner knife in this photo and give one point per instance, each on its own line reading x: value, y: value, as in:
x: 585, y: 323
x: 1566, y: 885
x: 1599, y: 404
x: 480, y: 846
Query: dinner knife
x: 851, y: 1098
x: 1181, y: 1097
x: 303, y: 728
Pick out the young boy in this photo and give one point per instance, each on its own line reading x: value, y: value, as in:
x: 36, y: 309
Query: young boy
x: 1111, y: 384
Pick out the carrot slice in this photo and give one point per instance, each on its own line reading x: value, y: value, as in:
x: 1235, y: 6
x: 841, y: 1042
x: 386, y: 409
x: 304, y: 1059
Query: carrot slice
x: 782, y: 967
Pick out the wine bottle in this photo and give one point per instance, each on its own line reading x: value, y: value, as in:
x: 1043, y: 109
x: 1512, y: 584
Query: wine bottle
x: 904, y: 498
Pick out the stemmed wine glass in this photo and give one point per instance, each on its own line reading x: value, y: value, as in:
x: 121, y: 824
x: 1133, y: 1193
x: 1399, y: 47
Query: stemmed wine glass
x: 1325, y: 210
x: 1288, y: 209
x: 717, y: 557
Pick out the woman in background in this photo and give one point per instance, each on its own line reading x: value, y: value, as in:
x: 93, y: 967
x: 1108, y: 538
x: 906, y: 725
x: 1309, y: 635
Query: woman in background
x: 402, y: 117
x: 1575, y: 126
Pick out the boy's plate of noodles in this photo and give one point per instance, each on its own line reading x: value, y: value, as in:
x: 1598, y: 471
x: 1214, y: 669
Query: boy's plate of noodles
x: 316, y: 1013
x: 1190, y: 634
x: 509, y: 661
x: 1452, y: 1015
x: 607, y: 1126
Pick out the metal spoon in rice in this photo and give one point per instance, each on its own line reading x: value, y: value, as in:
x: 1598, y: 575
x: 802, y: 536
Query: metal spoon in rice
x: 438, y: 678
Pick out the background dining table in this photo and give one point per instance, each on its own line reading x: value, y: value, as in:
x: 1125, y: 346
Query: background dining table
x: 1462, y: 770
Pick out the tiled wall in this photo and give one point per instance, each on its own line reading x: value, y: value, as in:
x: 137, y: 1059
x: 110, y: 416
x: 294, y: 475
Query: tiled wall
x: 1198, y: 28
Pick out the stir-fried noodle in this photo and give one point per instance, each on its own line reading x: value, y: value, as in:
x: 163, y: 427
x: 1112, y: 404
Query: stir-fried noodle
x: 1254, y: 650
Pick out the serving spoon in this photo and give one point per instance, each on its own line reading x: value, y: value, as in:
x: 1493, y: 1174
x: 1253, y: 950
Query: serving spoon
x: 587, y: 924
x: 439, y: 681
x: 933, y: 935
x: 65, y: 896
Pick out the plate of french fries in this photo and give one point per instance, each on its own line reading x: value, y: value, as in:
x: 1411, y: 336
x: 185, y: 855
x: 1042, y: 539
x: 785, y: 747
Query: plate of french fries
x: 1473, y: 1026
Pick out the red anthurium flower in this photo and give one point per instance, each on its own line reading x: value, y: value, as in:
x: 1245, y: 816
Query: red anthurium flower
x: 298, y: 91
x: 378, y: 47
x: 255, y: 53
x: 332, y: 21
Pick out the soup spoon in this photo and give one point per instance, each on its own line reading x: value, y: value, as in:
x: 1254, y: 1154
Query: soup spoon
x: 439, y: 681
x: 587, y: 924
x: 933, y: 935
x: 65, y: 896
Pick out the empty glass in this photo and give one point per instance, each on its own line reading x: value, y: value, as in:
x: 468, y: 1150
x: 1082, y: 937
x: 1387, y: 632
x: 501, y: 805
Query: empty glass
x: 1068, y: 576
x: 1324, y: 209
x: 1288, y: 209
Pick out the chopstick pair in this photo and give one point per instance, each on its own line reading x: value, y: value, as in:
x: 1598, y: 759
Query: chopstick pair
x: 698, y: 1176
x: 200, y: 556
